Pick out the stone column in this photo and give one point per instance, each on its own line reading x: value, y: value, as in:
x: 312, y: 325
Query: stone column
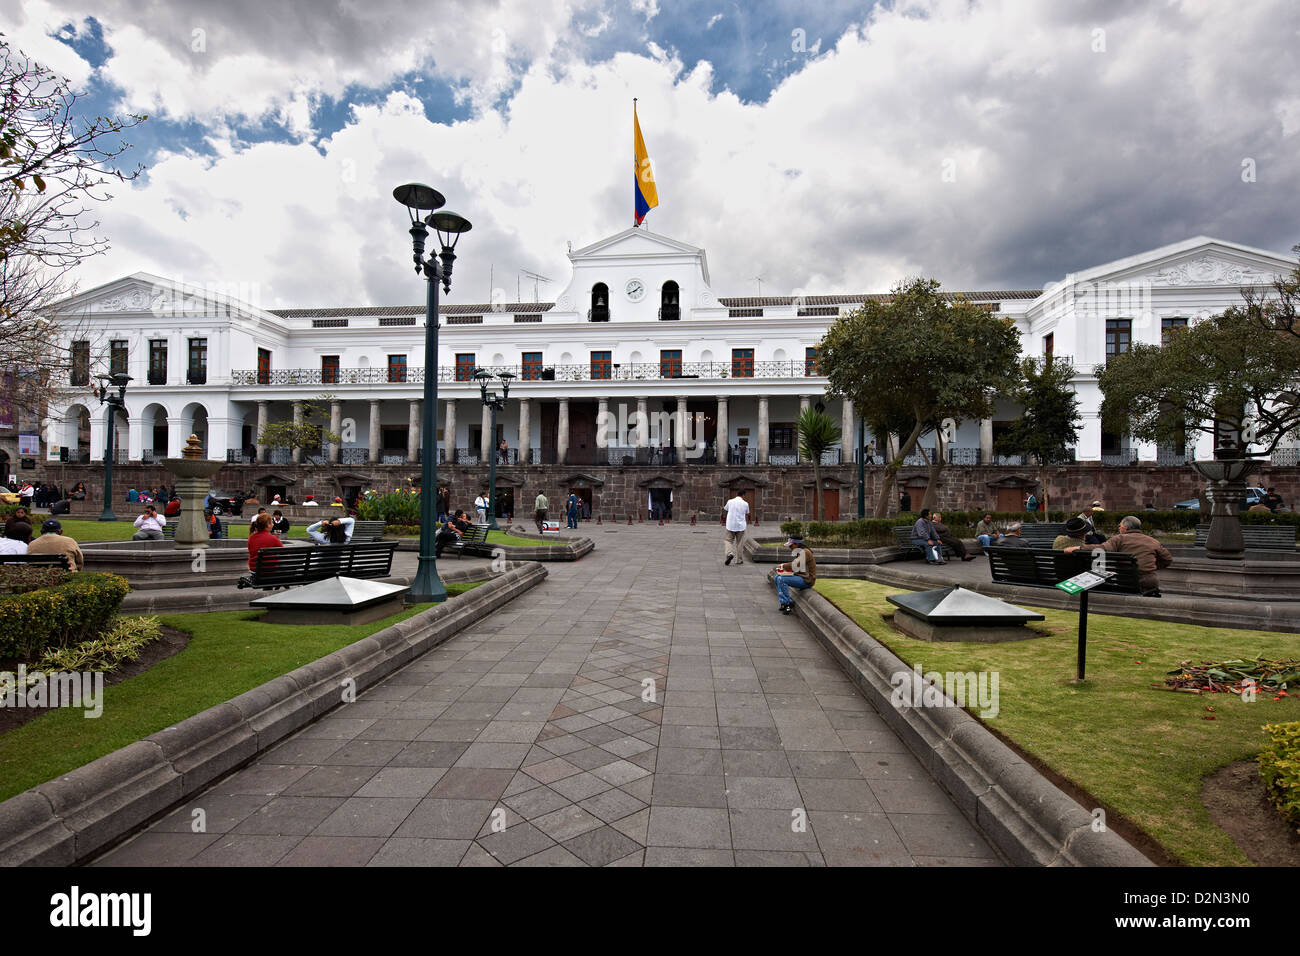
x: 680, y: 443
x: 603, y: 430
x: 804, y: 402
x: 376, y: 432
x: 177, y: 435
x: 848, y: 432
x: 722, y: 441
x: 562, y: 434
x: 485, y: 442
x: 642, y: 424
x: 134, y: 438
x: 297, y: 421
x: 449, y: 431
x: 986, y: 441
x: 525, y: 429
x: 413, y: 435
x: 263, y: 419
x: 762, y: 430
x: 336, y: 426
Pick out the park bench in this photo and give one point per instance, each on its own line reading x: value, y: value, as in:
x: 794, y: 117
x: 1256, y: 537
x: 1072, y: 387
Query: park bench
x: 1045, y: 568
x: 1041, y: 534
x: 363, y: 532
x: 288, y: 566
x: 169, y: 531
x: 50, y: 560
x: 1257, y: 537
x: 904, y: 536
x: 475, y: 534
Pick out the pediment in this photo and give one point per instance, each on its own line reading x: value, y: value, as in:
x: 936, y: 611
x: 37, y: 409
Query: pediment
x: 634, y: 241
x: 1211, y: 270
x: 743, y: 480
x: 660, y: 481
x: 583, y: 481
x: 146, y: 293
x: 273, y: 479
x: 1197, y: 262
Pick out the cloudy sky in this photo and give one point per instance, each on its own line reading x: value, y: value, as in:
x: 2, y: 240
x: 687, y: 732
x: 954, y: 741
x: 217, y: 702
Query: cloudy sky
x: 996, y: 144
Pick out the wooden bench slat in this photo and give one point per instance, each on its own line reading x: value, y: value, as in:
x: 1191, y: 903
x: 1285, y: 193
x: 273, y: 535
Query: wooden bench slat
x: 56, y: 560
x: 283, y: 567
x: 1261, y: 538
x: 1045, y: 568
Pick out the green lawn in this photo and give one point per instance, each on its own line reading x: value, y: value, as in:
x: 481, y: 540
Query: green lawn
x: 226, y: 656
x: 1139, y: 751
x: 500, y: 537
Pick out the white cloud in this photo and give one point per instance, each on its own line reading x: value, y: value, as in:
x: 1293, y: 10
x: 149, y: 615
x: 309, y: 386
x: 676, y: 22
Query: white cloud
x: 1063, y: 158
x: 712, y: 20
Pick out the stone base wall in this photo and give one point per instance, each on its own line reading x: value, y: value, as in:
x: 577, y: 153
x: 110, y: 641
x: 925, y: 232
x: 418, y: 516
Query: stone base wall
x: 780, y: 492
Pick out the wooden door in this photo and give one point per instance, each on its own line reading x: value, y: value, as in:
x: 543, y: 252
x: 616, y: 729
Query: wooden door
x: 753, y: 507
x: 830, y: 504
x: 1010, y: 499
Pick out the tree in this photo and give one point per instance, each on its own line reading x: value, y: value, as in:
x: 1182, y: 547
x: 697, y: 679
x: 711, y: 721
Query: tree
x: 304, y: 433
x: 1049, y: 423
x: 817, y: 433
x: 1229, y: 376
x: 54, y: 166
x: 913, y: 361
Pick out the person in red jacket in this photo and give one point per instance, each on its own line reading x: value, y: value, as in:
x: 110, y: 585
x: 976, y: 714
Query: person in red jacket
x: 261, y: 537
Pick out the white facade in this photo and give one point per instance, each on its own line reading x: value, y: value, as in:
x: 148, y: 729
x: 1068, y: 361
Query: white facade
x: 368, y: 361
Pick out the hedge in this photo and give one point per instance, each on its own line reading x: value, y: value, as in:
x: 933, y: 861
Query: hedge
x: 80, y: 608
x: 1279, y: 767
x: 392, y: 508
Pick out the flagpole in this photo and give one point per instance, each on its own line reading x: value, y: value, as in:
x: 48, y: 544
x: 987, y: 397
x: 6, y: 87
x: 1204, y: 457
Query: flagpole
x: 635, y: 168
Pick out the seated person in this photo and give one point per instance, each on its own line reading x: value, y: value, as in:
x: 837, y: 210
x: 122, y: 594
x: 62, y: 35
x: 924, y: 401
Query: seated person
x: 279, y: 523
x: 1077, y: 531
x: 1151, y: 554
x: 986, y: 532
x: 20, y: 516
x: 172, y: 508
x: 260, y: 537
x: 149, y: 525
x: 54, y: 541
x: 927, y: 539
x: 801, y: 573
x: 16, y: 538
x: 332, y: 530
x: 214, y: 524
x: 451, y: 532
x: 948, y: 538
x: 1011, y: 537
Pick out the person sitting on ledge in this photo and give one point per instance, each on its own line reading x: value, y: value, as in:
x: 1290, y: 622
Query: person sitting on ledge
x: 149, y: 525
x: 309, y: 501
x: 986, y: 532
x: 927, y: 539
x: 1011, y: 537
x: 1150, y: 553
x: 801, y: 573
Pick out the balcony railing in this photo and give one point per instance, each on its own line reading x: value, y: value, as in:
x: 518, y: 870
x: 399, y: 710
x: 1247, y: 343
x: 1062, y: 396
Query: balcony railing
x: 199, y: 376
x: 1283, y: 457
x: 625, y: 372
x: 157, y: 377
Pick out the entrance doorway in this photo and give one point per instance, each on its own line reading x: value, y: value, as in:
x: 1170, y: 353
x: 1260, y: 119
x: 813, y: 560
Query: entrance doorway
x: 505, y: 502
x: 584, y: 501
x: 749, y: 496
x: 1010, y: 499
x: 661, y: 505
x: 830, y: 510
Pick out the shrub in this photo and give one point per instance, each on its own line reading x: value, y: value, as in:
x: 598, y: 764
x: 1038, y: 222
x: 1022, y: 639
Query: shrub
x: 1279, y: 767
x: 792, y: 528
x: 123, y: 642
x: 19, y: 578
x: 392, y: 508
x: 78, y: 609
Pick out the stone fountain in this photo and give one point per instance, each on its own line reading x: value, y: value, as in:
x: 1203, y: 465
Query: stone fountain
x: 1226, y: 493
x: 193, y: 475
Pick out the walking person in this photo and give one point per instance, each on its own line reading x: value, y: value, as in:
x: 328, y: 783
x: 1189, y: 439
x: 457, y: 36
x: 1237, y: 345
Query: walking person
x: 481, y: 506
x: 801, y: 574
x: 735, y: 517
x: 540, y: 507
x: 571, y: 509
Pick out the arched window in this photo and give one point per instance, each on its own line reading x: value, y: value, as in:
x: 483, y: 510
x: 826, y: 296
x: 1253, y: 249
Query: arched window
x: 599, y: 303
x: 669, y: 303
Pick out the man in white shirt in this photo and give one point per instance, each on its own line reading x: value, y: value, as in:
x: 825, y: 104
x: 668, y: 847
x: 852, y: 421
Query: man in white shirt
x: 735, y: 516
x: 149, y: 525
x: 480, y: 505
x: 15, y: 539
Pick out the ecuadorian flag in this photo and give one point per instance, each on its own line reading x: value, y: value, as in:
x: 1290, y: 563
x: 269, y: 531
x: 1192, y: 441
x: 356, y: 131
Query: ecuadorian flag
x: 644, y: 193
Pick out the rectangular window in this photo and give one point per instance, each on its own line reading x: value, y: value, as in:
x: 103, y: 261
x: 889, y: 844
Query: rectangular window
x: 742, y: 363
x: 157, y: 362
x: 397, y: 368
x: 1119, y: 334
x: 1049, y: 343
x: 780, y: 437
x: 810, y: 362
x: 464, y: 366
x: 198, y: 370
x: 117, y: 357
x: 670, y: 363
x: 1169, y: 326
x: 532, y: 366
x: 80, y: 363
x: 329, y: 369
x: 600, y: 365
x: 263, y: 366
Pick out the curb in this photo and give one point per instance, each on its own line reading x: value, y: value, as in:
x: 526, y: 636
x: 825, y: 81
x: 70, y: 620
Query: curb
x: 1030, y: 820
x: 71, y: 818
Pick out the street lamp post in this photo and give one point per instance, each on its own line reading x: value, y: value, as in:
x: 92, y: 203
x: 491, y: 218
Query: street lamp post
x: 421, y: 203
x: 117, y: 380
x: 862, y: 470
x: 484, y: 378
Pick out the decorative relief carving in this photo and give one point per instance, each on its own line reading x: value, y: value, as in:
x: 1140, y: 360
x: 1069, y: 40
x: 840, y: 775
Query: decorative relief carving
x: 1208, y: 270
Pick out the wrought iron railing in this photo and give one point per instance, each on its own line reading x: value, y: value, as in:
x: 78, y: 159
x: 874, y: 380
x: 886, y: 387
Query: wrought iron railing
x: 1166, y: 455
x: 624, y: 372
x: 1284, y: 457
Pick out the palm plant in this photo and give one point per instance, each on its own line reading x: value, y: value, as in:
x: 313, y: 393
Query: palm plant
x: 817, y: 433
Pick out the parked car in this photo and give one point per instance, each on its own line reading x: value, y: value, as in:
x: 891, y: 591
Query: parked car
x: 223, y: 503
x: 1254, y: 496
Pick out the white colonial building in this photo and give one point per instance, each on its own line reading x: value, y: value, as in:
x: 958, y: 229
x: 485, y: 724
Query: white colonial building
x: 638, y: 329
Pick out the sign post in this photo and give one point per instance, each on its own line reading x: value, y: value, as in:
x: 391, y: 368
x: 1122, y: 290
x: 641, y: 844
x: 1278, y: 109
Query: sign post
x: 1081, y: 584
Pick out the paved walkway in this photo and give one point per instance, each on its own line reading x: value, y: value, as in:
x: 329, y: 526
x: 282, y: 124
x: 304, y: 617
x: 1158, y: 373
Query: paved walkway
x: 526, y: 741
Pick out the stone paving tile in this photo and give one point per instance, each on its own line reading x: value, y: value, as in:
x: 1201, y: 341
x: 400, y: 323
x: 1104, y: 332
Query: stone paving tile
x: 537, y: 711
